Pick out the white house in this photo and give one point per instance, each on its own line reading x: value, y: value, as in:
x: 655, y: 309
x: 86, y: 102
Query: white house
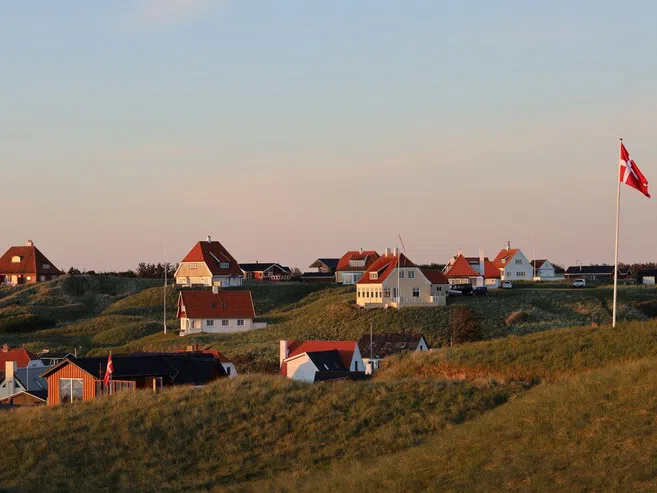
x: 312, y: 361
x: 208, y: 264
x: 513, y: 264
x: 216, y: 312
x: 545, y: 271
x: 395, y: 281
x: 376, y: 347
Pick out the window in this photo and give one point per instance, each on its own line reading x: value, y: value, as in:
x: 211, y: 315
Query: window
x: 401, y: 274
x: 374, y: 275
x: 240, y: 323
x: 45, y: 266
x: 197, y: 324
x: 228, y: 370
x: 356, y: 263
x: 224, y: 323
x: 16, y: 259
x: 416, y: 292
x: 518, y: 261
x: 508, y: 273
x: 520, y: 274
x: 209, y: 323
x: 70, y: 390
x: 504, y: 261
x: 386, y: 293
x: 192, y: 265
x: 411, y: 274
x: 355, y: 365
x: 224, y: 265
x: 368, y: 294
x: 42, y: 278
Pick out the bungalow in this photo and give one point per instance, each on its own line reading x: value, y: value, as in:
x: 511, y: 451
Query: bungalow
x: 208, y: 264
x: 376, y: 347
x: 514, y: 265
x: 23, y: 386
x: 81, y: 379
x: 312, y: 361
x: 545, y: 271
x: 478, y: 271
x: 378, y: 288
x: 216, y: 312
x: 26, y: 265
x: 592, y: 272
x: 325, y: 270
x: 266, y: 272
x: 228, y: 365
x: 353, y: 264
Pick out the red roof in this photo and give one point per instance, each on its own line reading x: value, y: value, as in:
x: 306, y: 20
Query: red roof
x: 224, y: 304
x: 21, y: 356
x: 435, y: 276
x: 504, y: 256
x: 344, y: 348
x: 384, y: 266
x: 32, y: 261
x: 461, y: 268
x: 491, y: 271
x: 212, y: 254
x: 369, y: 256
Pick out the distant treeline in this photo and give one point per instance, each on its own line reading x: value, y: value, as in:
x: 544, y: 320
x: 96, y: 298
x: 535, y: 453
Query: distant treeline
x: 143, y: 270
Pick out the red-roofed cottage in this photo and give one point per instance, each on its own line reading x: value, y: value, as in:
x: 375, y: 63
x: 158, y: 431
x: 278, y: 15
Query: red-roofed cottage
x: 513, y: 265
x: 216, y: 312
x: 26, y: 265
x: 395, y: 281
x: 312, y: 361
x: 18, y: 355
x: 353, y: 264
x: 478, y: 271
x: 209, y: 264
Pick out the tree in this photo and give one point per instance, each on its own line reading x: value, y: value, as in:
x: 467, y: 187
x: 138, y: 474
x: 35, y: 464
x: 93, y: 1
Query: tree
x: 463, y: 325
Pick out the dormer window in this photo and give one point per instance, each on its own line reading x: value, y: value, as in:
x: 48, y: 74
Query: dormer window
x: 224, y: 265
x: 16, y: 259
x: 45, y: 266
x: 374, y: 275
x: 356, y: 263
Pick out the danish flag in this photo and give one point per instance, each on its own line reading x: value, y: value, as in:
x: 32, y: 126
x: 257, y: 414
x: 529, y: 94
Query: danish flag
x: 630, y: 174
x: 109, y: 370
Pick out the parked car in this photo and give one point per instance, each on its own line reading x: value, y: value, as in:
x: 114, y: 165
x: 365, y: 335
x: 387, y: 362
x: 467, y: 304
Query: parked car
x: 507, y: 284
x: 454, y: 292
x: 464, y: 289
x: 480, y: 291
x: 579, y: 283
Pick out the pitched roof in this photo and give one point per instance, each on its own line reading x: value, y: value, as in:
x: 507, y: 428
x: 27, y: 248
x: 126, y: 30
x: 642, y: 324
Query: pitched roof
x: 505, y: 255
x: 369, y: 256
x: 32, y: 261
x: 326, y: 376
x: 344, y: 348
x: 387, y: 344
x: 461, y: 268
x: 538, y: 263
x: 176, y: 368
x: 215, y: 353
x: 327, y: 360
x: 435, y: 276
x: 491, y: 271
x: 320, y: 275
x: 21, y: 356
x: 331, y: 263
x: 213, y: 254
x: 224, y: 304
x: 261, y: 266
x: 590, y: 269
x: 384, y: 266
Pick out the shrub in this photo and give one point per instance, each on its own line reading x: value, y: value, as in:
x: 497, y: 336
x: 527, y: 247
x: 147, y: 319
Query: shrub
x: 516, y: 317
x: 464, y: 325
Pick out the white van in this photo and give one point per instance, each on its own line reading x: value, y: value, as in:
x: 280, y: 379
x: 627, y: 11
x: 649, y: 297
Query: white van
x: 579, y: 283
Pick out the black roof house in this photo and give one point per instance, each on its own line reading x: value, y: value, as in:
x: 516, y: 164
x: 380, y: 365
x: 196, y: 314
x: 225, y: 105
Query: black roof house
x: 388, y: 344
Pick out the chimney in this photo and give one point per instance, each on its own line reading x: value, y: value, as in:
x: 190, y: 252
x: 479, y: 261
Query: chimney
x: 387, y: 253
x: 508, y: 246
x: 215, y: 289
x: 29, y: 243
x: 283, y: 352
x: 5, y: 348
x: 395, y: 251
x: 361, y: 250
x: 459, y: 252
x: 10, y: 376
x: 209, y: 239
x: 482, y: 266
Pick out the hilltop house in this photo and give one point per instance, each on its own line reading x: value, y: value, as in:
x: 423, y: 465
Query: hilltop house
x: 208, y: 264
x: 545, y: 271
x: 268, y: 271
x: 376, y: 347
x: 395, y: 281
x: 26, y: 265
x: 514, y: 265
x: 81, y: 379
x: 216, y: 312
x: 477, y: 271
x: 353, y: 264
x: 313, y: 361
x: 23, y: 386
x: 325, y: 270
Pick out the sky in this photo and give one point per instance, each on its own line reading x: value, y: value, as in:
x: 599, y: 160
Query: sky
x: 291, y: 130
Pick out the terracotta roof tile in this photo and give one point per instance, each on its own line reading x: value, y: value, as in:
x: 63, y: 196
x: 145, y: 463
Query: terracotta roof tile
x: 21, y: 356
x: 346, y: 350
x: 32, y: 262
x: 213, y: 254
x: 384, y: 266
x: 435, y: 276
x: 503, y: 257
x: 461, y: 268
x: 225, y: 304
x: 370, y: 256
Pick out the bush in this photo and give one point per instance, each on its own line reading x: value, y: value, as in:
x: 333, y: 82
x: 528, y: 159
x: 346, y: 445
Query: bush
x: 464, y: 325
x: 516, y: 317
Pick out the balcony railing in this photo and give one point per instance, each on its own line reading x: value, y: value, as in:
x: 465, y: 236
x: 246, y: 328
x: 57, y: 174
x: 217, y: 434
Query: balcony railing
x: 114, y: 387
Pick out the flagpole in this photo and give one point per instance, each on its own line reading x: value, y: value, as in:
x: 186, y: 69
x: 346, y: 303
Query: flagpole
x: 613, y: 315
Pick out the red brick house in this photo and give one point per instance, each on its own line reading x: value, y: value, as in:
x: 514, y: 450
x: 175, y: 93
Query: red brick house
x: 26, y: 265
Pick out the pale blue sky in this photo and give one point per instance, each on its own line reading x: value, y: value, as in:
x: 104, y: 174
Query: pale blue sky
x: 296, y: 129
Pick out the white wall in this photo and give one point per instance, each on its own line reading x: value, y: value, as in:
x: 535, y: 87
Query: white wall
x: 230, y: 369
x: 301, y: 368
x: 518, y: 268
x: 187, y: 326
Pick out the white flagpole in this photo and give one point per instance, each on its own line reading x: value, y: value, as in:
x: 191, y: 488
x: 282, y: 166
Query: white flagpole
x: 613, y: 316
x: 165, y: 289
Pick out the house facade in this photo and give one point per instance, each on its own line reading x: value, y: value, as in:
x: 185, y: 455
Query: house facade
x: 312, y: 361
x: 593, y: 272
x: 376, y: 347
x: 23, y: 387
x: 514, y: 265
x: 208, y: 264
x: 353, y: 264
x: 325, y: 270
x: 26, y: 265
x: 216, y: 312
x: 395, y: 281
x: 545, y: 271
x: 266, y: 272
x: 477, y: 271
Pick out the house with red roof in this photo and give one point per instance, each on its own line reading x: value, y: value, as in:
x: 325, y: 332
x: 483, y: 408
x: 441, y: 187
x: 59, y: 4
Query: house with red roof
x: 216, y: 312
x: 209, y: 264
x: 26, y: 265
x: 478, y: 271
x: 353, y: 264
x: 313, y: 361
x: 393, y: 280
x: 513, y: 264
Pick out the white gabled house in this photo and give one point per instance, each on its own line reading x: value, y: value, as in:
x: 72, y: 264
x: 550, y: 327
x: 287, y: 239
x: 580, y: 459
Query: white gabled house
x: 545, y: 271
x: 208, y: 264
x: 513, y: 264
x: 313, y: 361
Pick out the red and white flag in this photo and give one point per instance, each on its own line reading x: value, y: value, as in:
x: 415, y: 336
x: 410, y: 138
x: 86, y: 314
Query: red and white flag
x: 630, y: 174
x: 109, y: 370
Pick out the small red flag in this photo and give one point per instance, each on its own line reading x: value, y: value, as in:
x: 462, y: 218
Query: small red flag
x: 109, y: 370
x: 630, y: 174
